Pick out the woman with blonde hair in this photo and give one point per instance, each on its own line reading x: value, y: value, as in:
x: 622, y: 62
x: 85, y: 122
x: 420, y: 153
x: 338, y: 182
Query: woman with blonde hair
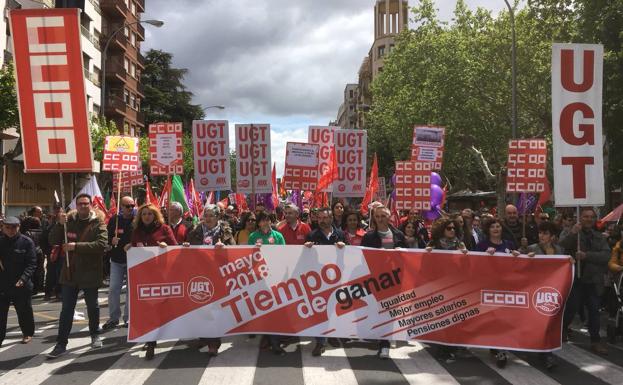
x: 150, y: 230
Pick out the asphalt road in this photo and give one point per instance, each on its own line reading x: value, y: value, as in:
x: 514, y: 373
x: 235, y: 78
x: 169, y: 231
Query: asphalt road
x: 241, y: 361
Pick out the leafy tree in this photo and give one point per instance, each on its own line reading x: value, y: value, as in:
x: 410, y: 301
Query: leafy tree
x: 9, y: 115
x: 458, y: 75
x: 166, y: 97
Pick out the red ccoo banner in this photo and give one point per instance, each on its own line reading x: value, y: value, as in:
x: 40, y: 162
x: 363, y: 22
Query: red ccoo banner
x: 301, y: 169
x: 413, y: 185
x: 50, y: 87
x: 166, y: 149
x: 527, y: 160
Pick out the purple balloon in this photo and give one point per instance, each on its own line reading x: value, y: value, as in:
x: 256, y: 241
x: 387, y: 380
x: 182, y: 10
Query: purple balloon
x: 432, y: 214
x: 393, y: 180
x: 435, y: 179
x: 436, y: 195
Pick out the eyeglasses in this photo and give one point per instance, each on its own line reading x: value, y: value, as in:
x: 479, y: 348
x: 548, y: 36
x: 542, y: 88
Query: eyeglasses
x: 129, y: 206
x: 450, y: 228
x: 251, y: 220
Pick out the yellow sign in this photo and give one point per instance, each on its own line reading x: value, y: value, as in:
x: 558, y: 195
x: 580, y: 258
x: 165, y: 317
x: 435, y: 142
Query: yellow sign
x: 126, y: 144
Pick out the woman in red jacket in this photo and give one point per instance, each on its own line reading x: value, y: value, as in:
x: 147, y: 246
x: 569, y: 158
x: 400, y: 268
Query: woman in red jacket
x: 150, y: 230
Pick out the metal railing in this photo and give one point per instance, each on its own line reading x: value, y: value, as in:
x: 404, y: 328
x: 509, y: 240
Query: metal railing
x: 96, y: 5
x: 86, y: 33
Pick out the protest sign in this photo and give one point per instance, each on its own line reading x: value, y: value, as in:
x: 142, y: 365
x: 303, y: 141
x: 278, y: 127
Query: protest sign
x: 351, y: 147
x: 301, y: 168
x: 428, y: 145
x: 120, y: 154
x: 527, y: 161
x: 166, y: 149
x: 323, y: 137
x: 211, y: 155
x: 577, y: 83
x: 253, y: 167
x: 51, y: 93
x: 413, y: 185
x: 442, y: 297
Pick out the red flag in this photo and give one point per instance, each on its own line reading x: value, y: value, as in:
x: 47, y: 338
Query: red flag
x: 241, y: 201
x: 275, y: 195
x: 196, y: 206
x: 330, y: 174
x: 546, y: 195
x: 210, y: 199
x: 113, y: 208
x: 394, y: 219
x: 165, y: 194
x: 149, y: 195
x: 373, y: 187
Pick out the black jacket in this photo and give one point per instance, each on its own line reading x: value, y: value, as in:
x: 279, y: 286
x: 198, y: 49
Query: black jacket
x: 373, y: 239
x: 318, y: 238
x: 124, y: 233
x: 19, y: 260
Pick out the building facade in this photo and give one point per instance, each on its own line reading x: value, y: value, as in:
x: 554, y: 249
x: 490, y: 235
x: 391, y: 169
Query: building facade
x: 124, y: 63
x: 347, y: 113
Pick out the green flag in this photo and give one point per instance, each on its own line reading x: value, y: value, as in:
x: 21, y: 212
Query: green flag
x: 177, y: 192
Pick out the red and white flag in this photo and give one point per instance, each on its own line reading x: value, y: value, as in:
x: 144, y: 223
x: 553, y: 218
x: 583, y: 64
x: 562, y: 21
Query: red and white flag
x: 93, y: 189
x: 373, y: 187
x: 330, y: 173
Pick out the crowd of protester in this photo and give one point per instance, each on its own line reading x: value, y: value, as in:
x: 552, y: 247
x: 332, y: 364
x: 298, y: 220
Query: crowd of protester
x: 34, y: 248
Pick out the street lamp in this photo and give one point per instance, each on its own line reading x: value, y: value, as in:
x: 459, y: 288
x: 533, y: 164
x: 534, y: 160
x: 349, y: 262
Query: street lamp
x: 218, y: 107
x: 155, y: 23
x: 514, y: 72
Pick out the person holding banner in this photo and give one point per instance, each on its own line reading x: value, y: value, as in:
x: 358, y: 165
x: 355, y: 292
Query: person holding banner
x: 265, y: 235
x: 592, y: 256
x: 119, y: 235
x: 546, y: 246
x: 325, y: 234
x: 86, y: 243
x: 354, y: 230
x: 211, y: 232
x: 384, y: 236
x: 150, y: 230
x: 293, y: 230
x: 513, y: 229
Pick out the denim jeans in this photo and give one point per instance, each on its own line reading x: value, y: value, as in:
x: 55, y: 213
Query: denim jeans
x: 70, y: 297
x: 118, y: 276
x: 583, y: 294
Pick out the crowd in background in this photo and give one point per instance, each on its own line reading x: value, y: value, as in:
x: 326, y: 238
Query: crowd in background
x: 33, y: 252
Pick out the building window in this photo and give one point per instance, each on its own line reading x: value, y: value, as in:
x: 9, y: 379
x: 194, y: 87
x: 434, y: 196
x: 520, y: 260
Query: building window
x: 138, y: 104
x: 126, y: 96
x: 133, y: 70
x: 126, y: 31
x: 133, y: 7
x: 133, y: 39
x: 132, y: 101
x: 381, y: 51
x: 351, y: 94
x: 126, y: 64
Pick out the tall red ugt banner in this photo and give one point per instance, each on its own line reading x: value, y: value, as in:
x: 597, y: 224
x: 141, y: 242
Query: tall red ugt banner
x: 323, y: 137
x: 577, y: 83
x: 441, y: 297
x: 301, y: 168
x: 211, y: 155
x: 527, y: 161
x: 253, y: 159
x: 50, y: 87
x: 166, y: 149
x: 351, y: 147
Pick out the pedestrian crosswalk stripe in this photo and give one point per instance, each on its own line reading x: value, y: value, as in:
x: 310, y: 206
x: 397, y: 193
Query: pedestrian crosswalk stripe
x: 517, y: 371
x: 418, y: 367
x: 592, y: 364
x: 132, y: 368
x: 330, y: 368
x: 235, y: 363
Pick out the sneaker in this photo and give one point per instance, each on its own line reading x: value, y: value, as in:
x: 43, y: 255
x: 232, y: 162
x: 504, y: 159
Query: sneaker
x: 278, y: 351
x: 550, y: 361
x: 318, y: 350
x: 212, y: 351
x: 126, y: 325
x: 384, y: 353
x: 96, y: 342
x: 26, y: 339
x: 500, y: 359
x: 110, y: 324
x: 57, y: 352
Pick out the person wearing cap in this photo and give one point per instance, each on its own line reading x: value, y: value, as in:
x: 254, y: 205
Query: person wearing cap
x: 18, y: 262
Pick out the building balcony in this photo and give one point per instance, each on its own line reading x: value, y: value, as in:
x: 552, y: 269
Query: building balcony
x: 96, y: 42
x: 115, y: 106
x: 140, y: 4
x: 92, y: 77
x: 8, y: 56
x: 118, y: 43
x: 12, y: 4
x: 140, y: 89
x: 115, y: 71
x: 140, y: 60
x: 140, y: 30
x: 96, y: 6
x: 114, y: 9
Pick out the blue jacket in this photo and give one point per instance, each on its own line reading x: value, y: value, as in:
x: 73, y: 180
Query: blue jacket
x: 19, y: 261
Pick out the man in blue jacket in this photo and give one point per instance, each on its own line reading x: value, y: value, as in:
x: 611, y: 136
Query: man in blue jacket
x: 18, y: 262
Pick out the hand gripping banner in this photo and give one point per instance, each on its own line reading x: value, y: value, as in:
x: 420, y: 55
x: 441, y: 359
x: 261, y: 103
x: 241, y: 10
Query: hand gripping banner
x: 475, y: 300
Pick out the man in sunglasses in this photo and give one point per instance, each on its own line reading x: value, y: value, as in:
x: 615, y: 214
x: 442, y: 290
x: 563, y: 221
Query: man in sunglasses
x: 118, y: 261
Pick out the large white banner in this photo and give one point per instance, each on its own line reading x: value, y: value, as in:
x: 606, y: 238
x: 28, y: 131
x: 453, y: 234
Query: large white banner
x: 254, y: 173
x: 323, y: 137
x: 577, y: 82
x: 351, y: 148
x: 211, y: 155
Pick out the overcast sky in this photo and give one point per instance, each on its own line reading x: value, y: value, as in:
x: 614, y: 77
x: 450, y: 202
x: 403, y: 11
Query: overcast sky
x: 283, y: 62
